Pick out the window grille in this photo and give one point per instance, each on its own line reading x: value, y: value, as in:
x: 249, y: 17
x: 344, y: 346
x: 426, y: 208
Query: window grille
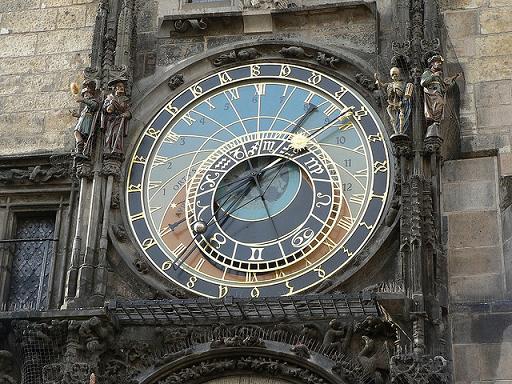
x: 32, y: 248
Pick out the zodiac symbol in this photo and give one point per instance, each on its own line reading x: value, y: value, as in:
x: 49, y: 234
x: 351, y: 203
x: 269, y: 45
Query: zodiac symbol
x: 323, y: 203
x: 302, y: 237
x: 210, y: 181
x: 254, y: 149
x: 223, y: 163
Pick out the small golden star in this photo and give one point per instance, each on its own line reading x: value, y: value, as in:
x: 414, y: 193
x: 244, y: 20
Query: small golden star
x: 174, y: 205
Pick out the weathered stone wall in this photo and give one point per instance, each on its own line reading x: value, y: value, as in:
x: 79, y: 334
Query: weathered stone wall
x: 475, y: 193
x: 44, y: 45
x: 480, y: 32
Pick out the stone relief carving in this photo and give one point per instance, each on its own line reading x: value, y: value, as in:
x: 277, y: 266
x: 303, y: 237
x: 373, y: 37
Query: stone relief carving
x: 409, y: 368
x: 294, y: 52
x: 270, y: 366
x: 141, y: 266
x: 34, y: 175
x: 175, y: 81
x: 337, y: 337
x: 268, y: 4
x: 301, y: 350
x: 328, y: 61
x: 234, y: 56
x: 97, y: 334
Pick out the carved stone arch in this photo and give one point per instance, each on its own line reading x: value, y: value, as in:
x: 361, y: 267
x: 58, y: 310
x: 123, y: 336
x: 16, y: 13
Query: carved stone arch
x: 205, y: 366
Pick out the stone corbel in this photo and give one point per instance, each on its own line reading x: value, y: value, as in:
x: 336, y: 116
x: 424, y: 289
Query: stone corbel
x: 184, y: 25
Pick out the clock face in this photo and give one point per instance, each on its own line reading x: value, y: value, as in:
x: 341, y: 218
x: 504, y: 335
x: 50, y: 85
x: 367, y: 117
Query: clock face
x: 261, y: 180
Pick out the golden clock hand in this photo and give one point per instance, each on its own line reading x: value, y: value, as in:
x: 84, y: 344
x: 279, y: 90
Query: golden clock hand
x: 330, y: 123
x: 311, y: 136
x: 312, y: 108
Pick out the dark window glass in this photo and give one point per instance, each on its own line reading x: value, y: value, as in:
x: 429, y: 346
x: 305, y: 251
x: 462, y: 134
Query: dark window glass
x: 32, y: 258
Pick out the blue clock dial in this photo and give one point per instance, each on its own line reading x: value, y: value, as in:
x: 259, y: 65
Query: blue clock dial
x: 261, y: 180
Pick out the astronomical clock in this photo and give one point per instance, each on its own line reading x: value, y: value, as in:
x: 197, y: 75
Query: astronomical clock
x: 259, y: 180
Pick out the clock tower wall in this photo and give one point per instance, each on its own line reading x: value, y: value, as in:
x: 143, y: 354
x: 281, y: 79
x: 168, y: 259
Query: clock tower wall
x: 440, y: 250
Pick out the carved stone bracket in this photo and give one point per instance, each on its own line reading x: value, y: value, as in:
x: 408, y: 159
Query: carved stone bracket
x: 112, y: 165
x: 402, y: 145
x: 183, y: 25
x: 84, y: 170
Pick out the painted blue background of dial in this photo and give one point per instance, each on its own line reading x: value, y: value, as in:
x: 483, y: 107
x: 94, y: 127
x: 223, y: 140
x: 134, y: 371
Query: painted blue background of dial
x: 342, y: 147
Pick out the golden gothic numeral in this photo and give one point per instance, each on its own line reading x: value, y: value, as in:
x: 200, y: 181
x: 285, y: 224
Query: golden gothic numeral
x: 137, y: 216
x: 380, y: 166
x: 135, y: 188
x: 255, y: 293
x: 286, y: 70
x: 315, y: 78
x: 191, y: 282
x: 148, y: 243
x: 225, y: 78
x: 196, y: 90
x: 255, y: 70
x: 152, y: 132
x: 223, y: 291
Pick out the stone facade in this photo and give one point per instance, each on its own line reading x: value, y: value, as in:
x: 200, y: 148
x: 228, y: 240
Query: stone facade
x: 44, y: 46
x: 481, y: 35
x: 476, y: 193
